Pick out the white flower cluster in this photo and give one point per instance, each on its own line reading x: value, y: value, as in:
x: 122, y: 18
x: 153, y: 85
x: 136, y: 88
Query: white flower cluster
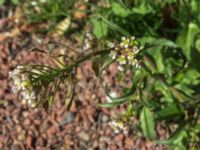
x: 87, y: 42
x: 22, y: 84
x: 125, y: 52
x: 117, y: 126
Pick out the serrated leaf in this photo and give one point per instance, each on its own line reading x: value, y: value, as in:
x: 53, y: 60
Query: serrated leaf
x: 147, y: 123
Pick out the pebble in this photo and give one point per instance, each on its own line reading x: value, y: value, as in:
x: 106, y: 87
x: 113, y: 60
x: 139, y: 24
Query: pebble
x: 25, y: 114
x: 105, y: 118
x: 21, y: 137
x: 19, y: 128
x: 69, y: 117
x: 84, y: 136
x: 29, y: 141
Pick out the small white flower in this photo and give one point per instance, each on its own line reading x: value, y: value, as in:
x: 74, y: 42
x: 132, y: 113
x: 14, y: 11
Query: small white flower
x: 125, y: 45
x: 29, y: 101
x: 113, y: 54
x: 132, y: 38
x: 16, y: 72
x: 137, y: 65
x: 33, y: 104
x: 19, y: 67
x: 122, y: 60
x: 33, y: 3
x: 133, y: 61
x: 24, y: 101
x: 25, y: 95
x: 120, y: 68
x: 135, y: 49
x: 24, y: 77
x: 86, y: 46
x: 111, y: 45
x: 117, y: 125
x: 89, y: 36
x: 112, y: 94
x: 123, y: 38
x: 10, y: 74
x: 32, y: 95
x: 14, y: 89
x: 122, y: 44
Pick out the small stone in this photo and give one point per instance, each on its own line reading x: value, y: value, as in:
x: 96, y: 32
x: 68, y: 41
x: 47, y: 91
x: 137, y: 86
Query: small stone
x: 102, y: 145
x: 112, y: 147
x: 69, y: 117
x: 37, y: 122
x: 27, y: 122
x: 25, y: 114
x: 104, y: 139
x: 15, y: 147
x: 51, y: 131
x: 21, y: 137
x: 129, y: 142
x: 84, y: 136
x: 19, y: 128
x: 105, y: 118
x: 15, y: 118
x: 119, y: 137
x: 95, y: 144
x: 29, y: 141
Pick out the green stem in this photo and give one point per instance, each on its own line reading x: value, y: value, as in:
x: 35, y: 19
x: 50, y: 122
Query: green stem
x: 84, y: 58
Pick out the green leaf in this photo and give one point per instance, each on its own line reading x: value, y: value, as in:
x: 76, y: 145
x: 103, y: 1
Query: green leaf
x: 95, y: 65
x: 169, y: 111
x: 143, y: 9
x: 100, y: 27
x: 112, y: 104
x: 120, y: 10
x: 164, y: 42
x: 185, y: 39
x: 126, y: 97
x: 106, y: 63
x: 147, y: 123
x: 115, y: 27
x: 177, y: 137
x: 162, y: 87
x: 15, y: 2
x: 157, y: 53
x: 195, y: 52
x: 2, y: 2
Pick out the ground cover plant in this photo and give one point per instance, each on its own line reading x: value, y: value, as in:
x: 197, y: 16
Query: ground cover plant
x: 157, y: 42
